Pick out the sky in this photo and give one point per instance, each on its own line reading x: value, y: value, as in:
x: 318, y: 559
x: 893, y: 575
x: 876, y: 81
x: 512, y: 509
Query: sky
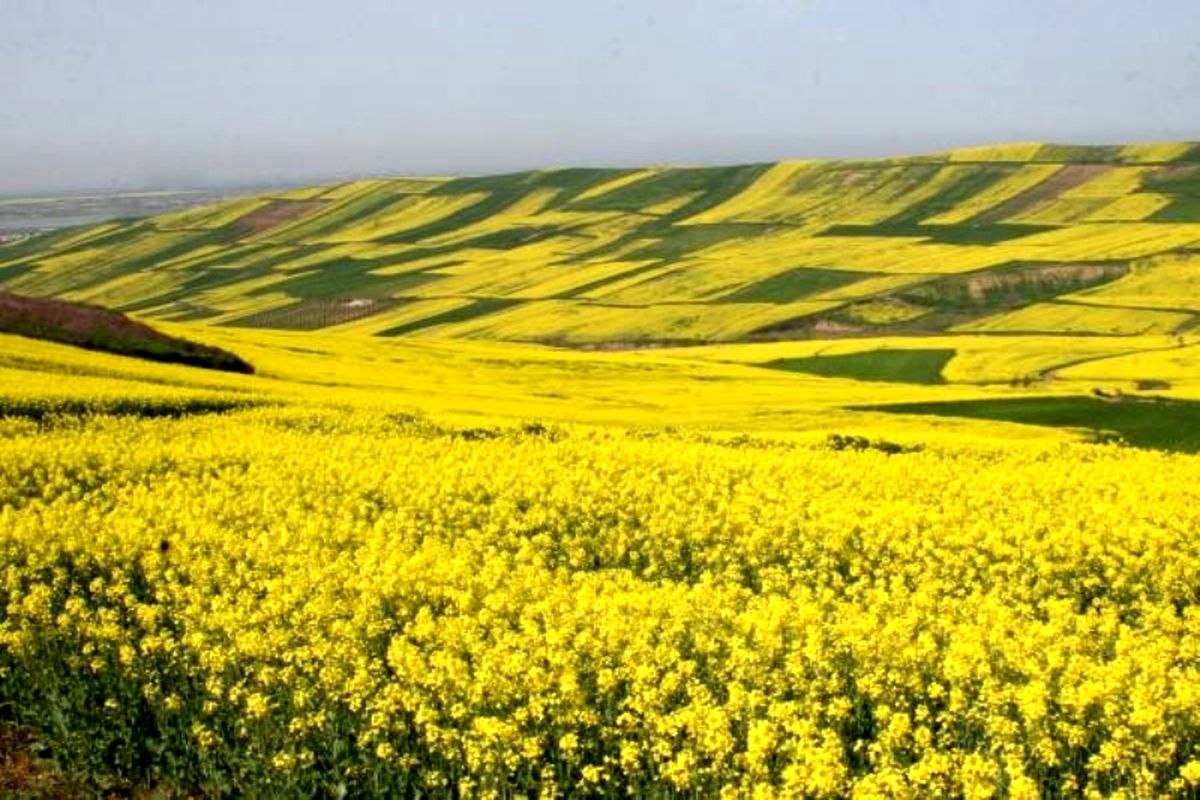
x: 131, y: 94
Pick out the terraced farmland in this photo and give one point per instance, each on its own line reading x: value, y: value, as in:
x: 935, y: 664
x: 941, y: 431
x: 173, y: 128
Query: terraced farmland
x: 814, y: 288
x: 675, y: 255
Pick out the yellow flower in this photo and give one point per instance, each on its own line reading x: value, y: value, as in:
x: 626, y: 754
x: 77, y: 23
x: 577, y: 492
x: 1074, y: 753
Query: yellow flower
x: 257, y: 705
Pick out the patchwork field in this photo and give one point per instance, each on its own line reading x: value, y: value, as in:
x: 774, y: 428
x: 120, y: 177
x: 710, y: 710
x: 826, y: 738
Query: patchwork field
x: 678, y: 255
x: 1018, y: 269
x: 809, y: 479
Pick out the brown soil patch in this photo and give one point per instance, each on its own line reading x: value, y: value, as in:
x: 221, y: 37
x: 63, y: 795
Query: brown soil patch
x: 811, y: 328
x: 72, y: 320
x: 97, y: 328
x: 273, y: 214
x: 1176, y: 172
x: 606, y: 347
x: 311, y: 315
x: 1064, y: 180
x: 24, y: 774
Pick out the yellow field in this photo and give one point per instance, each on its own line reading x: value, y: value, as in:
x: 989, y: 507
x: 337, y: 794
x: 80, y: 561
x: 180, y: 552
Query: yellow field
x: 1022, y: 151
x: 1072, y: 318
x: 1171, y: 282
x: 299, y: 599
x: 1023, y: 179
x: 445, y: 566
x: 411, y: 212
x: 851, y: 479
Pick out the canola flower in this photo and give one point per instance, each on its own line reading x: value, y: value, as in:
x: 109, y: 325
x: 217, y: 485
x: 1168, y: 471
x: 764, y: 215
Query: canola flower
x: 288, y: 602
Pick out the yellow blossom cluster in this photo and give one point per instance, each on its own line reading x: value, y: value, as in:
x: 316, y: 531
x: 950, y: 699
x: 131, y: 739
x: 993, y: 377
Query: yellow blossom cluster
x: 289, y: 602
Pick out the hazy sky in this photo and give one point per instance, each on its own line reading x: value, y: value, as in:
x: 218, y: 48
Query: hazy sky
x: 132, y: 93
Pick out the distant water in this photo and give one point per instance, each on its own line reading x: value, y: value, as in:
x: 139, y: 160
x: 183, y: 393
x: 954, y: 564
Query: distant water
x: 20, y: 223
x: 48, y: 213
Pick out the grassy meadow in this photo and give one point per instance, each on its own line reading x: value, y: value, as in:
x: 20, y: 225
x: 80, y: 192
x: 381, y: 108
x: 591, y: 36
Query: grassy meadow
x: 807, y: 479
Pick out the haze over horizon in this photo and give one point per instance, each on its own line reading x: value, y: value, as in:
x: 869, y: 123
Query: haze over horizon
x: 131, y: 94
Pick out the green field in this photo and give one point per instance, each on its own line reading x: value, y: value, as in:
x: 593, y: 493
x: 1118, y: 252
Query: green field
x: 894, y: 366
x: 1154, y: 423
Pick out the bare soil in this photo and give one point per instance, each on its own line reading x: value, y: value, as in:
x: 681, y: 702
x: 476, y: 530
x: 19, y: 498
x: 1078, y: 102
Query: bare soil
x: 24, y: 774
x: 273, y: 214
x: 812, y: 327
x: 97, y: 328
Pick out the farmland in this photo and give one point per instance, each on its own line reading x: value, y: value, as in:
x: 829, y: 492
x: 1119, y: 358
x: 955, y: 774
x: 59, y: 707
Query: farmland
x: 678, y: 255
x: 806, y: 479
x: 1027, y: 268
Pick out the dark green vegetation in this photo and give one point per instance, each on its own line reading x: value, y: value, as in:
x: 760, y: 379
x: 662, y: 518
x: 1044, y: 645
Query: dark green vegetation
x: 945, y: 301
x: 894, y: 366
x: 1010, y: 286
x: 711, y: 185
x: 1182, y: 184
x: 61, y: 411
x: 1151, y: 422
x: 98, y: 328
x: 477, y: 308
x: 949, y: 234
x: 795, y: 284
x: 1083, y: 153
x: 968, y: 184
x: 677, y: 243
x: 842, y: 441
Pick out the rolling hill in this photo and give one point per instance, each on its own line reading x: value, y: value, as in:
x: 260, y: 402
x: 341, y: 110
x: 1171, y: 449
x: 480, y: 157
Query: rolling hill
x: 474, y: 527
x: 1008, y: 239
x: 854, y: 295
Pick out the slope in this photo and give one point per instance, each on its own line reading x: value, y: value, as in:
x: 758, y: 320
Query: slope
x: 970, y: 239
x: 890, y: 298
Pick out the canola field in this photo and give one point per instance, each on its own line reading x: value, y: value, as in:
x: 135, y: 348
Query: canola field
x: 290, y: 602
x: 432, y: 569
x: 914, y: 514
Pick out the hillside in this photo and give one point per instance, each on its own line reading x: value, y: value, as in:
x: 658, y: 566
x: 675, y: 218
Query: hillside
x: 96, y: 328
x: 1000, y: 240
x: 1003, y: 292
x: 853, y: 540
